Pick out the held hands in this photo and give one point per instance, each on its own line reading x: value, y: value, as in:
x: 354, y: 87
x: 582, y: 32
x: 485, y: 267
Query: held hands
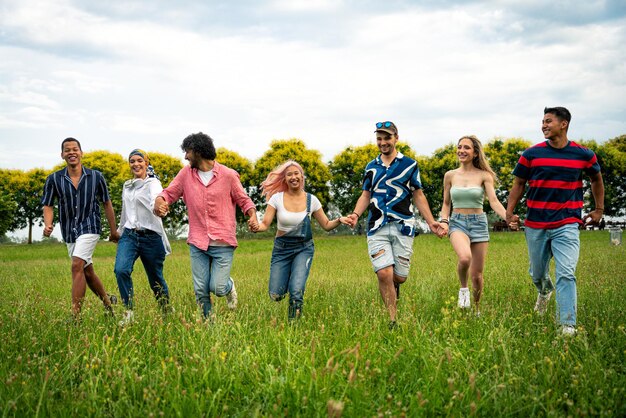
x: 161, y: 208
x: 253, y: 224
x: 350, y: 220
x: 512, y: 221
x: 114, y: 236
x: 442, y: 231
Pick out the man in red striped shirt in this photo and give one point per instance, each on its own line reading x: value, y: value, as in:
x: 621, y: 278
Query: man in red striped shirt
x: 553, y: 170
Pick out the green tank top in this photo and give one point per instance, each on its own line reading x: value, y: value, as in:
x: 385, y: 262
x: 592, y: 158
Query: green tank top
x: 467, y: 197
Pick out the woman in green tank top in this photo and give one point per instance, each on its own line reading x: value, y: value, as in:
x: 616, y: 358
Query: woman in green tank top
x: 462, y: 216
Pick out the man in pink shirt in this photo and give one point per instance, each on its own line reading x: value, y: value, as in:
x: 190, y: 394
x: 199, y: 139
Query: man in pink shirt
x: 210, y: 191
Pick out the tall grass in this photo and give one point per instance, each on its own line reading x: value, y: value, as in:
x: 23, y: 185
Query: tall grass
x: 339, y: 358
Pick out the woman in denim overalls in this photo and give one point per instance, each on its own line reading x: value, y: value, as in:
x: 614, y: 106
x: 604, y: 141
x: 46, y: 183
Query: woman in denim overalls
x: 293, y: 247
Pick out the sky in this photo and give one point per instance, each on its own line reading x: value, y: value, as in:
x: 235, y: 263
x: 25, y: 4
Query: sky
x: 128, y: 74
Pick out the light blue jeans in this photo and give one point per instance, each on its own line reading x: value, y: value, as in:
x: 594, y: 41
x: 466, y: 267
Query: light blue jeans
x: 210, y: 271
x: 563, y: 244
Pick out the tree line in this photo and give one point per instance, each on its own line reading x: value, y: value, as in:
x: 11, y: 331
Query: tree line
x: 336, y: 183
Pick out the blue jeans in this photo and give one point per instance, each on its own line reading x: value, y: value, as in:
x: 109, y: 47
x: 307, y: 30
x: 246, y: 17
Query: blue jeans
x: 210, y: 271
x: 148, y: 246
x: 563, y: 244
x: 289, y: 270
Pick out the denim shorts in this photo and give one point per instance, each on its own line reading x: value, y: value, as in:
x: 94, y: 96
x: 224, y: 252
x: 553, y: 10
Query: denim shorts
x: 389, y: 247
x: 474, y: 226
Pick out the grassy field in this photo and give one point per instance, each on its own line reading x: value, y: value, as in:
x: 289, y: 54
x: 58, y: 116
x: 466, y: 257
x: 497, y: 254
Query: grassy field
x: 340, y: 358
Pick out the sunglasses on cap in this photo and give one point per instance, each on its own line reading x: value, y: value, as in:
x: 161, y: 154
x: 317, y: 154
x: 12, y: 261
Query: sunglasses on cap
x: 384, y: 124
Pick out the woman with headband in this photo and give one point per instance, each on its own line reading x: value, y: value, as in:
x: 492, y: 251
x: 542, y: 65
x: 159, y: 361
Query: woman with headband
x: 142, y: 235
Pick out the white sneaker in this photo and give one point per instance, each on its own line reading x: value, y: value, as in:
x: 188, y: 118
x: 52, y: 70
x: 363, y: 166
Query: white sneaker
x: 541, y: 306
x: 127, y: 319
x: 568, y: 331
x: 464, y: 298
x: 232, y: 297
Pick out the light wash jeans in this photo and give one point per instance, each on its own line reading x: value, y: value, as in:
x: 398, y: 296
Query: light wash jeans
x: 563, y: 244
x: 210, y: 271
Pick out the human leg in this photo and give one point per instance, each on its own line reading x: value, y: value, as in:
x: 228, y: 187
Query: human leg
x: 201, y: 275
x: 221, y: 283
x: 539, y: 255
x: 479, y: 254
x: 152, y: 255
x: 566, y: 249
x: 461, y: 245
x: 381, y: 256
x: 79, y: 284
x: 300, y: 269
x: 127, y: 253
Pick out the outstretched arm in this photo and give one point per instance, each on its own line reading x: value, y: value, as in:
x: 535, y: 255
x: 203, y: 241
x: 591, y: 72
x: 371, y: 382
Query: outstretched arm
x: 268, y: 218
x: 325, y: 223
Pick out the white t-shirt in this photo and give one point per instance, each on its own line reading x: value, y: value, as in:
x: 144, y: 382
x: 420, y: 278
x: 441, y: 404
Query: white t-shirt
x: 287, y: 221
x: 205, y: 176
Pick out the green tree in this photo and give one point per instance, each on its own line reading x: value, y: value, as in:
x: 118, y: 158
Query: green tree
x: 8, y: 206
x: 24, y: 189
x: 316, y: 172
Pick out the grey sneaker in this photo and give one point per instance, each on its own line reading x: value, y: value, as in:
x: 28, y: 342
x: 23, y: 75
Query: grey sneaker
x: 568, y: 331
x: 231, y: 298
x: 464, y: 298
x: 541, y: 306
x: 127, y: 319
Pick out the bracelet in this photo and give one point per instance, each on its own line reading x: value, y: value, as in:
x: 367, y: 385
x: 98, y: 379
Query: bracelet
x: 602, y: 209
x: 444, y: 221
x: 357, y: 215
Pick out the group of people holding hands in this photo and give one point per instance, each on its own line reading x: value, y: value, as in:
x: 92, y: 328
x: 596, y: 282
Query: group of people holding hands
x: 391, y: 188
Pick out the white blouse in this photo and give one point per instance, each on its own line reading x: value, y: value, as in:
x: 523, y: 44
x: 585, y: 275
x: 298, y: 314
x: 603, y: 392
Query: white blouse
x: 138, y: 197
x: 286, y: 220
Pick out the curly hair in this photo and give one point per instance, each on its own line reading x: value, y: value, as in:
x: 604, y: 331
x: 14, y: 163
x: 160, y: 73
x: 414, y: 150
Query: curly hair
x: 480, y: 160
x: 275, y: 181
x: 200, y: 144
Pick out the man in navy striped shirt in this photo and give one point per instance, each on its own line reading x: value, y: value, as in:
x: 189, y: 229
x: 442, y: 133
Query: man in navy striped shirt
x: 78, y: 190
x: 553, y: 170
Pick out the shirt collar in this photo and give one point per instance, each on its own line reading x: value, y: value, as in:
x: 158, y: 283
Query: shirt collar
x: 379, y: 159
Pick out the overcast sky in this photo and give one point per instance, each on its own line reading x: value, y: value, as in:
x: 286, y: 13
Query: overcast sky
x: 135, y: 73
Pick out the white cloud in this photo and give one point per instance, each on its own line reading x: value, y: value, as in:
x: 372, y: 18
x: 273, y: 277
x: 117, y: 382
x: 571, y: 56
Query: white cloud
x: 438, y: 73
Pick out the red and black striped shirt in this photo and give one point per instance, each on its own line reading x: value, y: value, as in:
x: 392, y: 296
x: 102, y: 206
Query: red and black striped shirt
x: 555, y: 183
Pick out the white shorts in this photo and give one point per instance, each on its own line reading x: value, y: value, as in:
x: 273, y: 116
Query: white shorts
x: 84, y: 247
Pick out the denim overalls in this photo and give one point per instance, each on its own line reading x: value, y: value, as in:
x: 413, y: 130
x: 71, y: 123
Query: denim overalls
x: 291, y: 262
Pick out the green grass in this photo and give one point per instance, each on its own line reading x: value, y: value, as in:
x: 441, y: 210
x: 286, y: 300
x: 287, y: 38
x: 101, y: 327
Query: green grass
x: 251, y: 362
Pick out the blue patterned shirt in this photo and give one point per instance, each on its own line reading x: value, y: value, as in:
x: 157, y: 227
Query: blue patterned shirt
x: 79, y: 209
x: 391, y: 190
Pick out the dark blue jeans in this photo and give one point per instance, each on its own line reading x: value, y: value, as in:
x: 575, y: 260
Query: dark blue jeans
x: 289, y: 270
x: 148, y: 246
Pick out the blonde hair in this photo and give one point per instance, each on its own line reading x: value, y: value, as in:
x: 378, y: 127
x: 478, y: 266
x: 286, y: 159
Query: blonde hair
x: 480, y: 160
x: 275, y: 181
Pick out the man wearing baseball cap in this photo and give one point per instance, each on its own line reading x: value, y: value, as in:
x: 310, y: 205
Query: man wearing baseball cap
x: 391, y: 185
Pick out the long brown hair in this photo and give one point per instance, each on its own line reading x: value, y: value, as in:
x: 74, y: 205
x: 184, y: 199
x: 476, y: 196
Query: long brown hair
x: 480, y: 160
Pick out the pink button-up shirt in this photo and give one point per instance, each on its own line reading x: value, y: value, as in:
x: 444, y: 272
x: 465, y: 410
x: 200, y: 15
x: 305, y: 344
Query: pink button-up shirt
x: 210, y: 208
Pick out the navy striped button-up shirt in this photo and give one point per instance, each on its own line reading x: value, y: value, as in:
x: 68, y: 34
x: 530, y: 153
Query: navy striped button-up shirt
x: 79, y: 209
